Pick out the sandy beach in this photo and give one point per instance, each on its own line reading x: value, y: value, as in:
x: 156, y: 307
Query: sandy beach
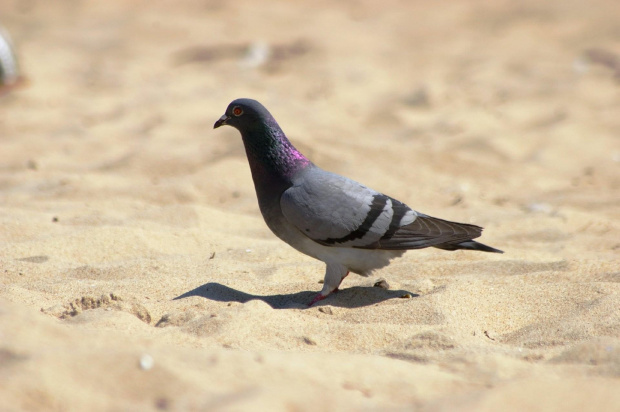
x: 136, y: 272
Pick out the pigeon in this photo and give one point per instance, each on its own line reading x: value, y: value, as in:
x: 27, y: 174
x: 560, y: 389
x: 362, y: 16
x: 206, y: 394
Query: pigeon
x: 348, y: 226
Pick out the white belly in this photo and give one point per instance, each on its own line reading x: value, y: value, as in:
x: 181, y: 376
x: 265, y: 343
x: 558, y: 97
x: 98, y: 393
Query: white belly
x: 360, y: 261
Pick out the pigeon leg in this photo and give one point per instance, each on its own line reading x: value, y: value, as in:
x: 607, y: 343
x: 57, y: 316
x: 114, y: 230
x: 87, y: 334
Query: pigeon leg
x: 338, y: 287
x: 333, y: 277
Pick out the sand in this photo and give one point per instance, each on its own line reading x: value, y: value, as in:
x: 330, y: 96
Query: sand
x: 136, y: 272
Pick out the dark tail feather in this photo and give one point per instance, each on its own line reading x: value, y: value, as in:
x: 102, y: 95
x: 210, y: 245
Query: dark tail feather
x: 469, y: 245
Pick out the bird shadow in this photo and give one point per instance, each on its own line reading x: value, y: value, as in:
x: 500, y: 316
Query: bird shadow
x: 353, y: 297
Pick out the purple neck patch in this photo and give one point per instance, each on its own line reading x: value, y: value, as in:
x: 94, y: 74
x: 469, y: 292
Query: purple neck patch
x: 270, y: 152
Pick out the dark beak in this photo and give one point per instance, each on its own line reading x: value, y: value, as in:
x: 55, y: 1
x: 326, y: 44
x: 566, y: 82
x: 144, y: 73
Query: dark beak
x: 221, y: 121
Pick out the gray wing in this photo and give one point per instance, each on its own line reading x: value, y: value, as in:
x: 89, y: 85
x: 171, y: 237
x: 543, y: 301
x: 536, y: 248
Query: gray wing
x: 335, y: 211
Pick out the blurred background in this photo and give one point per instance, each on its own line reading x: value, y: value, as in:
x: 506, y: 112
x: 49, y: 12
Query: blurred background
x: 117, y: 196
x: 507, y: 99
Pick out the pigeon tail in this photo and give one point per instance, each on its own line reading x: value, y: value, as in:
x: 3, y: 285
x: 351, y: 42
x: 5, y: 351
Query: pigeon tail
x: 469, y: 245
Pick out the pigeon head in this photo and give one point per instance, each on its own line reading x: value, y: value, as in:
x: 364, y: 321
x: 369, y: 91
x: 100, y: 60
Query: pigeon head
x: 266, y: 145
x: 244, y: 115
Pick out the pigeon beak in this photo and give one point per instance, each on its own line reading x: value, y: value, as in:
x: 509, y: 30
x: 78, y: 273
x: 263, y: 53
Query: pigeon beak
x: 221, y: 121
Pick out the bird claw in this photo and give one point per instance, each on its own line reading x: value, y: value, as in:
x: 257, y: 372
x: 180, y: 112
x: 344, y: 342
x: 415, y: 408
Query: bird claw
x: 320, y: 297
x: 317, y: 298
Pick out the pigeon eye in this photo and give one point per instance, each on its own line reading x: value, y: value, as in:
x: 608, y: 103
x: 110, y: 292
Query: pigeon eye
x: 237, y: 111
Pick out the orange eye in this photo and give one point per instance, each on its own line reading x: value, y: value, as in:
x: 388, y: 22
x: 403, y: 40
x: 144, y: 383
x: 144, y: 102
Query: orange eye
x: 237, y: 111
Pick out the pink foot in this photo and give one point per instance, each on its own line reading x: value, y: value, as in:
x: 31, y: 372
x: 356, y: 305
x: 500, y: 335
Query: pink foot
x: 317, y: 298
x: 320, y: 297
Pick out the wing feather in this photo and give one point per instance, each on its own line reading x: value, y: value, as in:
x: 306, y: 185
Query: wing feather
x: 335, y: 211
